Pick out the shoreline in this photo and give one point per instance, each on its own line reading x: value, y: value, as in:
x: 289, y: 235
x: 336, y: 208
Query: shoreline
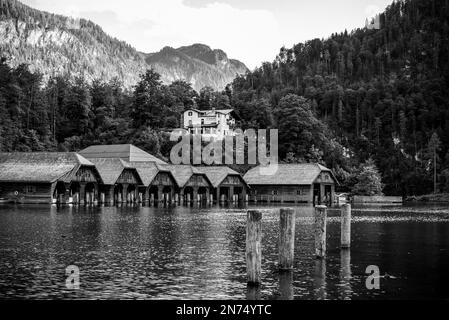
x: 429, y: 198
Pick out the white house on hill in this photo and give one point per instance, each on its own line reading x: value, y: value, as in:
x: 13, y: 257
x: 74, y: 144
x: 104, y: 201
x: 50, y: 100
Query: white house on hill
x: 209, y: 123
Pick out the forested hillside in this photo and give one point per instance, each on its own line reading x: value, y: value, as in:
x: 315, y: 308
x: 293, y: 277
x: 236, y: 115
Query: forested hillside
x: 54, y: 45
x: 357, y: 96
x: 383, y: 94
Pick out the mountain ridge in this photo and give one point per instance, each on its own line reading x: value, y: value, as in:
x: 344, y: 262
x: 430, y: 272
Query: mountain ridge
x: 57, y: 45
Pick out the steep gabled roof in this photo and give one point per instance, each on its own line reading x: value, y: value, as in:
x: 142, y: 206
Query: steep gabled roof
x: 127, y: 152
x: 183, y: 173
x: 44, y: 167
x: 288, y: 174
x: 149, y: 170
x: 227, y: 111
x: 218, y: 174
x: 111, y: 169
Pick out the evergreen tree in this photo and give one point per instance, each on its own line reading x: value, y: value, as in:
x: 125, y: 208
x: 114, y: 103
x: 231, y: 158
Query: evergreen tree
x: 369, y: 180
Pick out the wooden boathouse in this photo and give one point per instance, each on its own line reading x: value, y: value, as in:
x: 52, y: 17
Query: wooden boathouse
x: 159, y: 184
x: 120, y: 181
x: 295, y: 183
x: 47, y: 178
x: 193, y: 185
x: 228, y: 185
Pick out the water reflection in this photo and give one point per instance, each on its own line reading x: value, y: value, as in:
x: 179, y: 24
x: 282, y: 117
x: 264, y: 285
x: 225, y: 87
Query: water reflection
x: 319, y: 282
x: 199, y: 253
x: 253, y: 293
x: 286, y: 285
x: 345, y: 274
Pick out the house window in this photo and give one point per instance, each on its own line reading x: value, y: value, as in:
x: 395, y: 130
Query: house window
x: 30, y: 189
x: 275, y: 192
x: 190, y: 113
x: 298, y: 192
x: 202, y: 121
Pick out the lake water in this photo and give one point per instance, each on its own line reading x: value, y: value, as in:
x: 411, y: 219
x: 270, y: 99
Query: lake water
x: 199, y: 253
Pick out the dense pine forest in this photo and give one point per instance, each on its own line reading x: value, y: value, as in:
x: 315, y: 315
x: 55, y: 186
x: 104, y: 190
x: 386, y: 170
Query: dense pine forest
x: 382, y: 93
x: 354, y: 101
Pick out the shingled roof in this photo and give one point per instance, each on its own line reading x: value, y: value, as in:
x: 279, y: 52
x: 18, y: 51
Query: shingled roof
x: 217, y: 174
x: 183, y: 173
x: 288, y: 174
x: 149, y: 170
x: 111, y: 169
x: 127, y: 152
x: 42, y: 167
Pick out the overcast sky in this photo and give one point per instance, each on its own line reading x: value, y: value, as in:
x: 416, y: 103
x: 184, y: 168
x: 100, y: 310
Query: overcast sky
x: 252, y: 31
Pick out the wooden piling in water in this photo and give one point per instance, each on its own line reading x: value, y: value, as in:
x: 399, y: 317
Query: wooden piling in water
x: 254, y: 247
x: 286, y: 239
x: 346, y: 226
x: 320, y: 231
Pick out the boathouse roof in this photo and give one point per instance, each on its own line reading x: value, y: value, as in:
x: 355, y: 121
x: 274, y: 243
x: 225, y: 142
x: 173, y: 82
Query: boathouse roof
x: 183, y: 173
x: 111, y: 169
x: 149, y: 170
x: 288, y: 174
x: 217, y: 174
x: 40, y: 167
x: 127, y: 152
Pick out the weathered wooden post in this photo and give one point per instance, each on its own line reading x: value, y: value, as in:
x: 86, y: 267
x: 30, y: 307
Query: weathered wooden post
x: 320, y: 231
x: 346, y: 226
x: 254, y: 247
x: 286, y: 239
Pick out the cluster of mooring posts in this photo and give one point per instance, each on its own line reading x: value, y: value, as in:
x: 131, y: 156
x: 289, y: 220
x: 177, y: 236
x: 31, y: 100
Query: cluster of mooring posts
x: 287, y: 242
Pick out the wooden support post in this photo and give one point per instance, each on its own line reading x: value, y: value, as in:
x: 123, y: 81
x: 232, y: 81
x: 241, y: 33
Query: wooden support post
x: 195, y: 195
x: 254, y: 247
x: 160, y: 196
x: 82, y: 193
x: 147, y: 196
x: 320, y: 231
x: 207, y: 196
x: 109, y: 196
x: 244, y: 195
x: 346, y: 226
x: 286, y: 239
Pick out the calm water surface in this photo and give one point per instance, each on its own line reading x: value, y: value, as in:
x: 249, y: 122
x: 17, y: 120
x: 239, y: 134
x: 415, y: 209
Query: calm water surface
x: 199, y: 253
